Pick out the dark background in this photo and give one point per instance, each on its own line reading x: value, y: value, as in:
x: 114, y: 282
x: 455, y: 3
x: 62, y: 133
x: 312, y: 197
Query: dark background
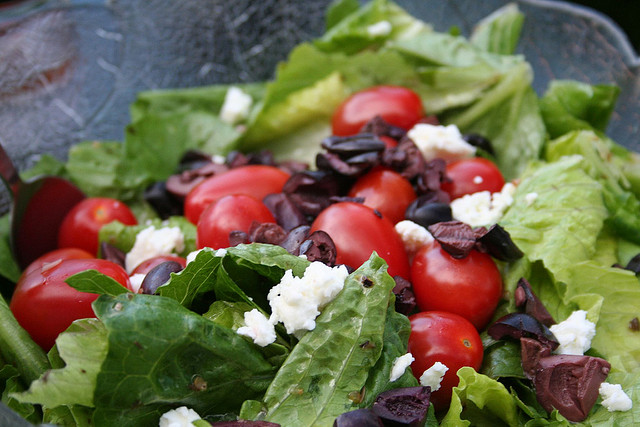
x: 625, y: 13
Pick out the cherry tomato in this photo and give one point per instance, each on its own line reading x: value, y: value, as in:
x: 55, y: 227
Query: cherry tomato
x: 470, y: 176
x: 438, y: 336
x: 229, y: 213
x: 470, y: 287
x: 55, y: 256
x: 45, y: 305
x: 386, y: 191
x: 397, y: 105
x: 388, y: 141
x: 145, y: 266
x: 357, y: 231
x: 81, y: 225
x: 253, y: 180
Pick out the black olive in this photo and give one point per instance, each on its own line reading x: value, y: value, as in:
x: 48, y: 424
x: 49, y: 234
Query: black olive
x: 426, y: 214
x: 403, y: 406
x: 358, y: 418
x: 158, y: 276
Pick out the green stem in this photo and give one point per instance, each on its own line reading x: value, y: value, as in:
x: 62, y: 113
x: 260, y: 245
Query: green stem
x: 18, y: 349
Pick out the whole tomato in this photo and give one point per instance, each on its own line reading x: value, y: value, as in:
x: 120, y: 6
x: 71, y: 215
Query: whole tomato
x: 227, y: 214
x: 253, y: 180
x: 470, y: 287
x: 45, y: 305
x: 357, y: 231
x: 386, y: 191
x: 438, y: 336
x: 397, y: 105
x: 470, y: 176
x: 81, y: 225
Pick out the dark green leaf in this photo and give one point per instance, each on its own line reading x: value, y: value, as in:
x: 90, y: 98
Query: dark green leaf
x: 327, y: 370
x: 94, y: 282
x: 162, y: 355
x: 502, y: 359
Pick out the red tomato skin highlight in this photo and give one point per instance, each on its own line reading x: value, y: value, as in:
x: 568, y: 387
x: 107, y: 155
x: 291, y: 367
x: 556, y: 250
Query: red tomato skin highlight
x: 253, y: 180
x: 229, y: 213
x: 357, y: 231
x: 397, y: 105
x: 438, y: 336
x: 44, y: 305
x: 470, y: 287
x: 386, y: 191
x: 470, y: 176
x: 81, y: 225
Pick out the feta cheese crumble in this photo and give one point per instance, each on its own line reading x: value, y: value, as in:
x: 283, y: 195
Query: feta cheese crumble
x: 296, y: 301
x: 414, y: 236
x: 574, y: 333
x: 258, y: 328
x: 614, y: 398
x: 400, y: 365
x: 236, y: 105
x: 152, y: 242
x: 381, y: 28
x: 483, y: 207
x: 180, y: 417
x: 136, y: 281
x: 432, y: 377
x: 440, y: 141
x: 529, y: 198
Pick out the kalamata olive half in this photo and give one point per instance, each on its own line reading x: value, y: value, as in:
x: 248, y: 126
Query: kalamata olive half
x: 426, y: 214
x: 158, y: 276
x: 358, y: 418
x: 406, y: 406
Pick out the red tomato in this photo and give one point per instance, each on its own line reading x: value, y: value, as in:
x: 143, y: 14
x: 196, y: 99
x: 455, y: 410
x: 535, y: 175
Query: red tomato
x: 82, y: 224
x: 388, y: 141
x: 357, y: 231
x: 438, y: 336
x: 397, y: 105
x: 145, y: 266
x: 45, y: 305
x: 470, y: 287
x: 56, y: 256
x: 229, y: 213
x: 386, y: 191
x: 253, y: 180
x: 469, y: 176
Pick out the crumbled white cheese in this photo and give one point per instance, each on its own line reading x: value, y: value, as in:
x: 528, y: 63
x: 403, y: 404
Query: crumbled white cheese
x: 180, y: 417
x: 432, y: 377
x: 574, y: 333
x: 136, y: 281
x: 258, y: 328
x: 296, y: 301
x: 414, y: 236
x: 400, y: 365
x: 614, y: 398
x: 220, y: 253
x: 381, y: 28
x: 236, y: 105
x: 151, y: 243
x: 445, y: 142
x: 483, y: 207
x: 191, y: 256
x: 529, y: 198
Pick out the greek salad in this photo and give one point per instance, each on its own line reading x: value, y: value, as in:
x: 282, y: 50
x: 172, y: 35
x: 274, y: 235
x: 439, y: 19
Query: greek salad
x: 395, y: 229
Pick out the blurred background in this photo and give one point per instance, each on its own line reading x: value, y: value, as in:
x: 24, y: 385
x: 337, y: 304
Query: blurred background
x: 624, y: 12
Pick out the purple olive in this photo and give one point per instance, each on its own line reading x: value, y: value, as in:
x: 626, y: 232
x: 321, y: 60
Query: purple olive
x: 403, y: 406
x: 158, y: 276
x: 358, y: 418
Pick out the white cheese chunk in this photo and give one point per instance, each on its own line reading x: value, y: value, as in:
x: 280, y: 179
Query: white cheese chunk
x: 432, y: 377
x: 136, y: 281
x: 179, y: 417
x: 414, y: 236
x: 614, y: 398
x: 258, y: 328
x: 529, y: 198
x: 296, y: 301
x: 379, y: 29
x: 574, y: 333
x: 152, y: 242
x: 483, y: 207
x: 236, y: 105
x: 400, y: 365
x: 435, y: 141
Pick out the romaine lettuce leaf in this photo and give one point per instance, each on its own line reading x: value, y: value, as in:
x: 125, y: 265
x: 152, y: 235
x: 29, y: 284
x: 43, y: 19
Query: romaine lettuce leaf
x: 500, y: 31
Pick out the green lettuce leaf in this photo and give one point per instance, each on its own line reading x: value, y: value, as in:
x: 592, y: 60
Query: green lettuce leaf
x: 326, y: 371
x: 480, y: 400
x: 500, y: 31
x: 94, y: 282
x: 570, y: 105
x: 161, y: 355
